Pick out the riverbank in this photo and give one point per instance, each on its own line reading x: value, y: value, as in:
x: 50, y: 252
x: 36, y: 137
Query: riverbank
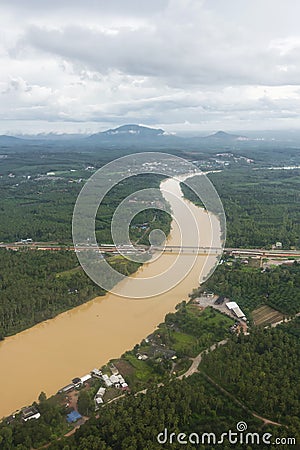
x: 74, y: 342
x: 171, y: 352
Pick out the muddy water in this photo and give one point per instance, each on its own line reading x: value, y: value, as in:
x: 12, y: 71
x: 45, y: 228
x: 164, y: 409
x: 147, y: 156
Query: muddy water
x: 47, y: 356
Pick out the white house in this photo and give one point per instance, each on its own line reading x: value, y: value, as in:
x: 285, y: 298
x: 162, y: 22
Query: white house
x: 100, y: 392
x: 107, y: 381
x: 114, y: 379
x: 30, y: 413
x: 96, y: 373
x: 99, y: 396
x: 234, y: 307
x: 99, y: 400
x: 85, y: 378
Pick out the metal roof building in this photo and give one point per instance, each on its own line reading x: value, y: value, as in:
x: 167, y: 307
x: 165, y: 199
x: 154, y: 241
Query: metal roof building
x: 234, y: 307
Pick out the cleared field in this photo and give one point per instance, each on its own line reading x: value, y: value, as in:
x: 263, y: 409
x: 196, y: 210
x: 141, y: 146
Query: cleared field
x: 266, y: 315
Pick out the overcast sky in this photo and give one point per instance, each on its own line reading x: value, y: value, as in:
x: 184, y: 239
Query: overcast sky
x: 87, y: 65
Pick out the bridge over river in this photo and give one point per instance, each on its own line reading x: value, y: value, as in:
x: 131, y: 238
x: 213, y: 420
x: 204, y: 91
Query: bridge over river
x: 110, y: 248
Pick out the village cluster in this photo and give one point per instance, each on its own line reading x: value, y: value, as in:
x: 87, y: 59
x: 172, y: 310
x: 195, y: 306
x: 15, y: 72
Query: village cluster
x: 115, y: 380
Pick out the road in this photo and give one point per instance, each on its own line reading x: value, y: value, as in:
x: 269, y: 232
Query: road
x: 241, y: 404
x: 194, y: 368
x: 106, y: 248
x: 196, y: 361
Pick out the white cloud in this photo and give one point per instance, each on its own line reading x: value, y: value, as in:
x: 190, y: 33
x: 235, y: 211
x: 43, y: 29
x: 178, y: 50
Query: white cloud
x: 172, y: 62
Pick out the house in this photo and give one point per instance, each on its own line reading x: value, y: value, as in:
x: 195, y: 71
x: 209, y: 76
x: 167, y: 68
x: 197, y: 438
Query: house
x: 121, y: 379
x: 85, y: 378
x: 220, y: 300
x: 30, y: 413
x: 98, y: 401
x: 26, y: 241
x: 114, y: 379
x: 77, y: 382
x: 99, y: 396
x: 208, y: 294
x: 67, y: 388
x: 234, y: 307
x: 73, y: 416
x: 100, y: 392
x: 96, y: 373
x: 159, y: 351
x: 277, y: 246
x: 106, y: 380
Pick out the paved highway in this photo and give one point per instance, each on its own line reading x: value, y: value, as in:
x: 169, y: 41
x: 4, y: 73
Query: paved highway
x: 55, y: 246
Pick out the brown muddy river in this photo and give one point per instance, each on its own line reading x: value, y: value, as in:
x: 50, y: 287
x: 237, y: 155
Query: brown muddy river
x: 48, y: 355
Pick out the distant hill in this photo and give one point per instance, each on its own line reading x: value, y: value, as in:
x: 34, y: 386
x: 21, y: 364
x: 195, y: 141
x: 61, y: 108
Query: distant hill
x: 133, y: 130
x: 125, y: 137
x: 52, y: 136
x: 222, y: 135
x: 133, y: 135
x: 9, y: 140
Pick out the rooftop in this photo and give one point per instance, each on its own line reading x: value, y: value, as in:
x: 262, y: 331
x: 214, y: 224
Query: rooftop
x: 73, y: 416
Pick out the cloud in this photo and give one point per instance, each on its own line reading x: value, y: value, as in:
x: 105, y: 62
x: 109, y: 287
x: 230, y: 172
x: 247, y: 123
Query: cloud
x: 159, y: 62
x: 185, y: 44
x: 102, y: 6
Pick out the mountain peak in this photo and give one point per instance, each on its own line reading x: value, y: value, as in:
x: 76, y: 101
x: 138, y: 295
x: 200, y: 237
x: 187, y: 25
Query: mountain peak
x: 221, y: 134
x: 137, y: 129
x: 226, y: 136
x: 132, y: 130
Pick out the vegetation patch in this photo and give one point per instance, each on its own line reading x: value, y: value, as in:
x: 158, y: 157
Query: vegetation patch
x: 263, y: 372
x: 266, y: 315
x: 261, y: 206
x: 251, y: 288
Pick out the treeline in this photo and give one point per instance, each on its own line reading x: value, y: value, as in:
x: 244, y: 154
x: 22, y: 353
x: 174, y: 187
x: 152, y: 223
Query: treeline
x: 37, y: 285
x: 154, y: 218
x: 278, y: 287
x: 42, y: 209
x: 261, y: 206
x: 191, y: 405
x: 292, y: 327
x: 260, y: 370
x: 263, y: 371
x: 24, y: 436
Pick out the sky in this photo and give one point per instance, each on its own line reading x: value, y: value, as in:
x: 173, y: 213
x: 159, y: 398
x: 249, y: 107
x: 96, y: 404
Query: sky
x: 82, y: 66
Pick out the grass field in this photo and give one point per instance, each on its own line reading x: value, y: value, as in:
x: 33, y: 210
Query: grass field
x: 143, y: 372
x: 266, y: 315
